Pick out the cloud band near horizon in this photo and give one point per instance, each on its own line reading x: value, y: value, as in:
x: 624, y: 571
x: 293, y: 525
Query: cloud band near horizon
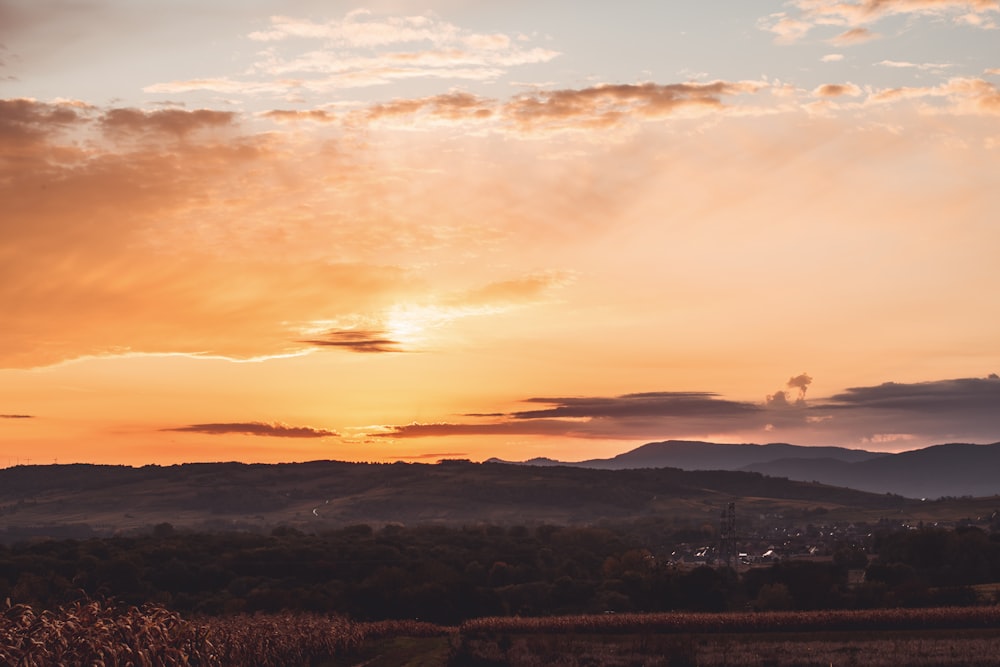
x: 962, y: 408
x: 275, y: 430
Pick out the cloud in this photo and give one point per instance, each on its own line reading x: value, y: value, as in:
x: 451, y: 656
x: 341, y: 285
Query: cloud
x: 525, y: 289
x: 800, y: 382
x: 365, y: 49
x: 609, y: 105
x: 146, y: 246
x: 812, y: 14
x: 24, y: 122
x: 450, y: 106
x: 356, y: 341
x: 631, y: 415
x: 898, y: 64
x: 649, y: 404
x: 235, y: 241
x: 963, y: 394
x: 778, y: 400
x: 602, y: 106
x: 832, y: 58
x: 275, y: 430
x: 931, y: 412
x: 963, y: 409
x: 963, y: 95
x: 440, y: 429
x: 441, y: 455
x: 837, y: 90
x: 854, y: 36
x: 787, y: 29
x: 17, y: 416
x: 358, y: 28
x: 176, y: 122
x: 311, y: 115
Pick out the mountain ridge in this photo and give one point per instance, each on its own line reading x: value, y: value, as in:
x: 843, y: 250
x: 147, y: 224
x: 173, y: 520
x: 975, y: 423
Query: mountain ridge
x: 88, y: 499
x: 950, y: 469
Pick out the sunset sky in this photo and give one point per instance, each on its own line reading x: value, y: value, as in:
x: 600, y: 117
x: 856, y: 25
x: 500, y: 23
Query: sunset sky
x: 283, y: 231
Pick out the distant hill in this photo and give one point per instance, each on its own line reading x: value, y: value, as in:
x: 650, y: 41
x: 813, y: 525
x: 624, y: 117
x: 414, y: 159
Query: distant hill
x: 79, y: 500
x: 696, y: 455
x: 693, y: 455
x: 931, y: 472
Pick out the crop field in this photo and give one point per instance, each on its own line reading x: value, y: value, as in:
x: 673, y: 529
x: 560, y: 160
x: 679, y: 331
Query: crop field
x: 97, y: 634
x: 93, y: 633
x: 874, y: 638
x: 818, y: 649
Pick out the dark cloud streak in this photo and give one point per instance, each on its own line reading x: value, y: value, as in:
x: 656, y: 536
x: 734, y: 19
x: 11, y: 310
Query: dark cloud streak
x: 963, y: 394
x: 650, y: 404
x: 965, y: 409
x: 275, y: 430
x: 356, y: 340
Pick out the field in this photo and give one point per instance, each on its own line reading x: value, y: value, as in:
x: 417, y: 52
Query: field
x: 93, y: 633
x: 819, y: 648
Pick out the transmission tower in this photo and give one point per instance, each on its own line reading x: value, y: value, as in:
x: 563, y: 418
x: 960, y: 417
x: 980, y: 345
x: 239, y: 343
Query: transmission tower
x: 727, y: 535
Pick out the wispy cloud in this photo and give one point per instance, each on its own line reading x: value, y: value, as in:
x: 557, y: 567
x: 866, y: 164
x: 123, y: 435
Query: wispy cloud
x: 147, y: 245
x: 364, y: 49
x: 17, y: 416
x: 198, y: 232
x: 961, y: 94
x: 901, y: 64
x: 440, y: 455
x: 854, y: 36
x: 275, y: 430
x: 310, y: 115
x: 812, y: 14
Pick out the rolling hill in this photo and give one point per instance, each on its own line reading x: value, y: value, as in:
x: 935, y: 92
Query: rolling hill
x: 942, y: 470
x: 71, y: 500
x: 932, y: 472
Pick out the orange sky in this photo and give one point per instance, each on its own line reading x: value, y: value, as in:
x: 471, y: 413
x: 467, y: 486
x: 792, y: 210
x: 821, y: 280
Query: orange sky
x: 416, y: 232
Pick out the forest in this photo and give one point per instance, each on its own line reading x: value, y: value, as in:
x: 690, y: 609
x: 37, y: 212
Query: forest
x: 447, y: 575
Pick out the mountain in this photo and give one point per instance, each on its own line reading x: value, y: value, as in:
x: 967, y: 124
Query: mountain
x: 695, y: 455
x: 932, y: 472
x: 80, y: 500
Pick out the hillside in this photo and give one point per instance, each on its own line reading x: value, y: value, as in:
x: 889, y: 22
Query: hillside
x: 697, y: 455
x: 48, y: 499
x: 932, y: 472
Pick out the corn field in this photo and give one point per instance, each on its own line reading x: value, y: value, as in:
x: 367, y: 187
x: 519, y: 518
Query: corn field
x: 101, y: 634
x: 98, y: 634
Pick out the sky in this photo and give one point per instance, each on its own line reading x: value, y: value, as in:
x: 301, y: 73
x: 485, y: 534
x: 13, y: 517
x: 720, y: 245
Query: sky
x: 262, y: 231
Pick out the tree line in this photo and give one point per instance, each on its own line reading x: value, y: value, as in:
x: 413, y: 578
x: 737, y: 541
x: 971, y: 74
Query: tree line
x: 448, y: 574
